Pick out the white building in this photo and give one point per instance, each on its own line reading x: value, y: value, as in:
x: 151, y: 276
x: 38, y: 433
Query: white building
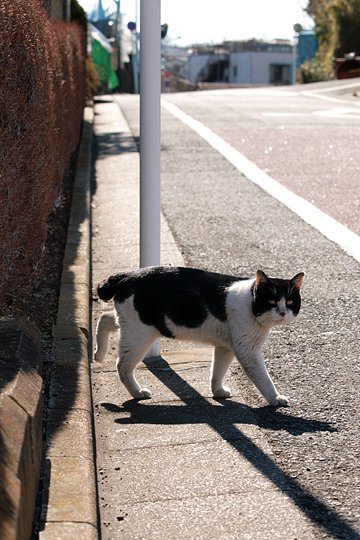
x: 243, y: 62
x: 260, y: 68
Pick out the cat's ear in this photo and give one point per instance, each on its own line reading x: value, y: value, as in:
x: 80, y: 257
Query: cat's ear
x: 297, y: 281
x: 261, y: 278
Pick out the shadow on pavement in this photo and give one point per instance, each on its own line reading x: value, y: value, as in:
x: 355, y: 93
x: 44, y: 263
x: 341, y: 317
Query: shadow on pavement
x: 222, y: 416
x: 114, y: 144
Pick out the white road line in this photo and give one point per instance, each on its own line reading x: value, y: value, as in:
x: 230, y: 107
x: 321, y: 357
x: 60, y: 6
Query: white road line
x: 317, y: 93
x: 340, y: 112
x: 323, y: 98
x: 337, y: 87
x: 287, y: 114
x: 328, y: 226
x: 253, y: 92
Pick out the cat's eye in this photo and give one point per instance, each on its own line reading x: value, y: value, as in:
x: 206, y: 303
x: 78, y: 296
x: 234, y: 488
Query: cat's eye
x: 273, y: 302
x: 289, y: 302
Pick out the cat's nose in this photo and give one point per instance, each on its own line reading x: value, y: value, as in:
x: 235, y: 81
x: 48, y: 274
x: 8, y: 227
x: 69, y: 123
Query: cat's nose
x: 281, y: 307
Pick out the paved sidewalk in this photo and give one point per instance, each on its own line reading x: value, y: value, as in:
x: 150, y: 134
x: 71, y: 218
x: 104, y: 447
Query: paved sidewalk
x: 181, y: 465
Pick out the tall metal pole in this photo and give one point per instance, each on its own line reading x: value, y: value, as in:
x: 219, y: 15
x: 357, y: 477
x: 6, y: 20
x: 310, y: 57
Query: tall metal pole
x: 118, y: 35
x: 150, y: 93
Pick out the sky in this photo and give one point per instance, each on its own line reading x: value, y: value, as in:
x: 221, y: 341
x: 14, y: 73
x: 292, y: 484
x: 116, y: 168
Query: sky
x: 206, y: 21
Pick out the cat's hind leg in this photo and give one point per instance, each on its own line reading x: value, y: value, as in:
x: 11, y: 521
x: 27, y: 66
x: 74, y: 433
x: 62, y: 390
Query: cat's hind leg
x: 105, y: 326
x: 220, y: 364
x: 132, y: 350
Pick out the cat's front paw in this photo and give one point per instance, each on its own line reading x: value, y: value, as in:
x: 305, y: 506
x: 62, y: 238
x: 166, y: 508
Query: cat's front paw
x: 223, y: 392
x: 280, y: 401
x: 144, y: 393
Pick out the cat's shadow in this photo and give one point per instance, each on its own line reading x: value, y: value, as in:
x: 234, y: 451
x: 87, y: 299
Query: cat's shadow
x: 220, y: 413
x: 223, y: 415
x: 229, y: 419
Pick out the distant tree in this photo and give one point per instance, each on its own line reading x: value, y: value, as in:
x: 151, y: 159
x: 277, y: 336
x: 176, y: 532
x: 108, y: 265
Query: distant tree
x: 337, y: 25
x: 349, y: 28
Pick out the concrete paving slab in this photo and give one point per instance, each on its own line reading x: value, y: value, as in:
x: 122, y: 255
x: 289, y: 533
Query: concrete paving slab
x: 69, y: 436
x: 72, y: 351
x: 186, y: 470
x: 70, y: 491
x: 70, y: 387
x: 76, y: 275
x: 71, y: 311
x: 232, y: 516
x: 69, y: 531
x: 179, y: 375
x: 164, y: 382
x: 170, y: 423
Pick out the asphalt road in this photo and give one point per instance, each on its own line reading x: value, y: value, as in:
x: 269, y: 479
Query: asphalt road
x: 307, y: 139
x: 222, y: 221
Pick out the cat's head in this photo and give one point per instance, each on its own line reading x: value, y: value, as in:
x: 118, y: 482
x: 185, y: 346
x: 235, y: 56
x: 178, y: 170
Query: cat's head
x: 276, y: 301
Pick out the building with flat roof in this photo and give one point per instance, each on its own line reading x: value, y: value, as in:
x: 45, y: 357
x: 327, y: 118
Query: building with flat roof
x: 251, y: 62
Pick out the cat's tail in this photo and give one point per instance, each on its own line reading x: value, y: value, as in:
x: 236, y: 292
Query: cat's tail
x: 106, y: 325
x: 108, y: 321
x: 107, y: 289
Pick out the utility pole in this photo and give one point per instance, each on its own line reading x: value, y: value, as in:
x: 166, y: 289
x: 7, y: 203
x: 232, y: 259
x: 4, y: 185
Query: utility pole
x: 150, y: 126
x: 150, y: 93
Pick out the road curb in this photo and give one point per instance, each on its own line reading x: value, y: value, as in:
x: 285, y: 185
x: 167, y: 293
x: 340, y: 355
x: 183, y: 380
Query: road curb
x: 69, y: 501
x: 21, y: 408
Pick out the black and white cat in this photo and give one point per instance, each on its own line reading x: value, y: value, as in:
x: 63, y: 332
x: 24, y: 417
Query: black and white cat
x: 233, y: 314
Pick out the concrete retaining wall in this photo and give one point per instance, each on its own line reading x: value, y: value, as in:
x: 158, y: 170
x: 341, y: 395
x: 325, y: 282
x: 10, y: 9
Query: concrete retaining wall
x: 21, y: 407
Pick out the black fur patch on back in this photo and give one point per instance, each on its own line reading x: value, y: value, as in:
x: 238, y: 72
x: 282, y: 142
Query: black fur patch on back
x: 185, y: 295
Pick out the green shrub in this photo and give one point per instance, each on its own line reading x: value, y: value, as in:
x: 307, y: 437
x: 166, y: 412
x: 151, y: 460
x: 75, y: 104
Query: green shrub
x: 315, y: 71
